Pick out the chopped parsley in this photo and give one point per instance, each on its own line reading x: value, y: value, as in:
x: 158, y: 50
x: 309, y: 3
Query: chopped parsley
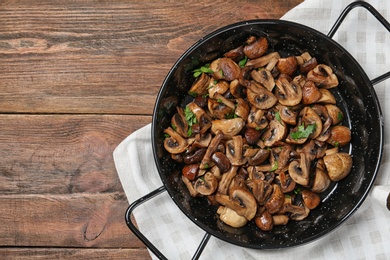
x: 277, y: 117
x: 203, y: 69
x: 190, y: 119
x: 303, y: 132
x: 243, y: 62
x: 340, y: 116
x: 274, y: 166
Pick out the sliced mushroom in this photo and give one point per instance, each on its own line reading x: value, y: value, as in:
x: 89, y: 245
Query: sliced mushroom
x: 217, y: 87
x: 256, y: 48
x: 206, y: 185
x: 310, y: 199
x: 235, y: 54
x: 218, y: 109
x: 236, y: 89
x: 202, y: 117
x: 199, y: 87
x: 234, y: 151
x: 189, y: 186
x: 256, y: 119
x: 229, y: 127
x: 260, y: 97
x: 338, y: 165
x: 241, y: 201
x: 335, y: 113
x: 242, y: 108
x: 326, y: 97
x: 179, y: 121
x: 194, y: 157
x: 288, y: 115
x: 287, y: 65
x: 262, y: 190
x: 323, y: 76
x: 299, y: 170
x: 310, y: 117
x: 226, y: 179
x: 202, y: 140
x: 321, y: 181
x: 175, y: 143
x: 339, y: 135
x: 252, y: 135
x: 259, y: 157
x: 206, y: 161
x: 262, y: 61
x: 231, y: 218
x: 288, y: 93
x: 276, y: 201
x: 276, y: 131
x: 225, y: 68
x: 310, y: 93
x: 264, y: 77
x: 190, y: 171
x: 298, y: 213
x: 308, y: 65
x: 287, y: 184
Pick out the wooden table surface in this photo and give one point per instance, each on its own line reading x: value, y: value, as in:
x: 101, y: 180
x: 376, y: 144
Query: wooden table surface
x: 76, y: 78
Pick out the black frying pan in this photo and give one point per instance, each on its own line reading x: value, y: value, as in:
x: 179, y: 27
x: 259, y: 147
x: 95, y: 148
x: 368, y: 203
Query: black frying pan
x: 355, y: 96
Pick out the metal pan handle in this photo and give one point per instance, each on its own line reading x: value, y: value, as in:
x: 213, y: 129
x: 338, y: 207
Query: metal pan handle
x: 142, y: 237
x: 376, y: 14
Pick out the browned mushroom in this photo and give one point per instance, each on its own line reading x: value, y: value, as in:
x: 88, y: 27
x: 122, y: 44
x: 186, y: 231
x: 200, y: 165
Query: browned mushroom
x: 287, y: 184
x: 258, y: 157
x: 276, y: 201
x: 206, y: 161
x: 334, y: 113
x: 260, y: 97
x: 287, y: 65
x: 310, y: 117
x: 323, y: 76
x: 310, y: 199
x: 338, y: 165
x: 276, y: 131
x: 298, y: 212
x: 339, y: 135
x: 252, y: 135
x: 241, y: 201
x: 236, y: 89
x: 280, y: 219
x: 179, y: 122
x: 264, y: 77
x: 288, y: 115
x: 235, y: 54
x: 225, y: 68
x: 242, y: 108
x: 262, y: 61
x: 310, y: 93
x: 256, y: 48
x: 288, y: 93
x: 229, y: 127
x: 299, y: 170
x: 264, y: 221
x: 199, y: 87
x: 175, y: 143
x: 226, y: 179
x: 234, y: 150
x: 206, y: 185
x: 189, y: 186
x: 202, y: 117
x: 326, y: 97
x: 256, y: 119
x: 221, y: 160
x: 321, y: 181
x: 217, y: 87
x: 218, y: 109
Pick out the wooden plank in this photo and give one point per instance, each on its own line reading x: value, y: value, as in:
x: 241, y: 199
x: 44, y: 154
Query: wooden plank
x: 62, y: 154
x: 106, y: 57
x: 78, y: 220
x: 73, y: 254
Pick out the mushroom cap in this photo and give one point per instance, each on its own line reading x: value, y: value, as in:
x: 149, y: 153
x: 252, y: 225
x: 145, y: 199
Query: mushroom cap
x: 287, y: 65
x: 225, y: 68
x: 338, y: 165
x: 199, y: 87
x: 231, y: 218
x: 321, y: 181
x: 264, y: 221
x: 323, y: 76
x: 256, y: 48
x: 310, y: 199
x: 299, y: 170
x: 339, y: 135
x: 288, y: 115
x: 276, y: 201
x: 334, y: 113
x: 310, y: 93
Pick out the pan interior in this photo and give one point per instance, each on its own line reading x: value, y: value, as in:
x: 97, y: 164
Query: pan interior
x: 355, y: 96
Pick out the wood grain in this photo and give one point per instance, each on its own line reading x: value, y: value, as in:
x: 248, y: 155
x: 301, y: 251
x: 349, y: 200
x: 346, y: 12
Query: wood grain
x: 62, y: 154
x: 111, y: 57
x: 76, y: 78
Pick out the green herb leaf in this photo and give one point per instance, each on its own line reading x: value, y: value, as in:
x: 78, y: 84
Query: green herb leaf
x: 297, y: 190
x: 190, y: 116
x: 243, y: 62
x: 277, y: 117
x: 340, y: 116
x: 303, y: 132
x: 275, y: 166
x: 203, y: 69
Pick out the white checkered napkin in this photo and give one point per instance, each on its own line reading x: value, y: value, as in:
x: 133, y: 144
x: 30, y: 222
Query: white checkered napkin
x: 366, y: 235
